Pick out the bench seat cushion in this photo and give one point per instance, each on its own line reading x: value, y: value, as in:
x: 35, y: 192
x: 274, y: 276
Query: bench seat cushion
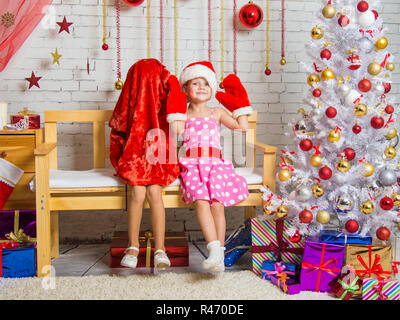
x: 105, y: 178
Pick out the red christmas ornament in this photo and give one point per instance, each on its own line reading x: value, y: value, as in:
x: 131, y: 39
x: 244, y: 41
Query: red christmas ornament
x: 305, y: 216
x: 64, y: 25
x: 362, y: 6
x: 325, y: 54
x: 343, y: 20
x: 104, y: 46
x: 387, y: 87
x: 250, y: 15
x: 386, y: 203
x: 352, y: 225
x: 349, y: 153
x: 364, y: 85
x: 331, y: 112
x: 296, y: 237
x: 383, y: 233
x: 389, y: 109
x: 316, y: 93
x: 375, y: 13
x: 267, y: 71
x: 306, y: 144
x: 356, y: 129
x: 325, y: 173
x: 353, y: 62
x: 133, y: 3
x: 377, y: 122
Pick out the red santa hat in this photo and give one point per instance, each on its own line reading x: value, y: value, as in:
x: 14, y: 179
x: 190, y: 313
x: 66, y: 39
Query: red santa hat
x: 9, y: 177
x: 201, y: 69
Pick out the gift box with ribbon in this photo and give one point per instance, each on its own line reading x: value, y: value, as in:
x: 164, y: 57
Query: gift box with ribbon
x: 17, y: 261
x: 287, y: 284
x: 270, y: 268
x: 238, y: 243
x: 322, y: 264
x: 271, y: 241
x: 396, y: 258
x: 347, y: 284
x: 380, y: 289
x: 176, y: 247
x: 333, y: 236
x: 26, y: 119
x: 18, y: 225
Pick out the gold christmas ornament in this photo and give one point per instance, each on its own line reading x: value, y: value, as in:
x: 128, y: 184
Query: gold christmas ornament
x: 282, y: 61
x: 360, y: 110
x: 282, y: 211
x: 284, y: 175
x: 367, y: 207
x: 392, y: 133
x: 119, y: 84
x: 266, y: 210
x: 396, y: 199
x: 328, y: 11
x: 327, y: 74
x: 312, y: 78
x: 368, y: 170
x: 323, y: 217
x: 381, y: 43
x: 333, y: 136
x: 316, y: 160
x: 317, y: 190
x: 390, y: 66
x: 317, y: 33
x: 390, y: 152
x: 343, y: 165
x: 374, y: 68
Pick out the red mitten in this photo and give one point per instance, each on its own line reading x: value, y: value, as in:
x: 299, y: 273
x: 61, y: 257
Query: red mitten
x: 9, y: 177
x: 235, y: 97
x: 176, y: 101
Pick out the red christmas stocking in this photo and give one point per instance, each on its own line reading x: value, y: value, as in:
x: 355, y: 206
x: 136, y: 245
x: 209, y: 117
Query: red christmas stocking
x: 18, y: 18
x: 9, y: 176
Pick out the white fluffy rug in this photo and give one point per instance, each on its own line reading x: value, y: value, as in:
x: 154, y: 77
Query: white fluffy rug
x: 243, y: 285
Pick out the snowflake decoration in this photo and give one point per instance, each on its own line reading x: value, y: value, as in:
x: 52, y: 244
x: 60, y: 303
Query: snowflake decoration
x: 7, y: 19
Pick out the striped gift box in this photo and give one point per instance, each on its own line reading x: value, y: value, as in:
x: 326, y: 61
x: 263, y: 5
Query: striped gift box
x: 385, y: 289
x: 270, y: 241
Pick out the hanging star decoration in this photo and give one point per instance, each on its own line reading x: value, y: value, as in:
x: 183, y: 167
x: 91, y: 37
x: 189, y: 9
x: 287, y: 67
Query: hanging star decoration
x: 64, y: 25
x: 56, y: 57
x: 33, y: 80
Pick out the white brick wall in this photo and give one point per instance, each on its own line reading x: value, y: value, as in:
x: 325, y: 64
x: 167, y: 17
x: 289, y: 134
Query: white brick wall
x: 68, y: 86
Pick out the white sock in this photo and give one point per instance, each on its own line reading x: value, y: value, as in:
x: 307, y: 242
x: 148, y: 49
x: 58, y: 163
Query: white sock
x: 215, y: 256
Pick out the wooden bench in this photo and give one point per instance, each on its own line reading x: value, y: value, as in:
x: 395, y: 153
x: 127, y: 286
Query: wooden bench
x: 98, y: 189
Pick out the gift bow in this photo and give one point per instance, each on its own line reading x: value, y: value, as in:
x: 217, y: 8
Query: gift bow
x: 379, y: 288
x: 26, y: 112
x: 352, y: 287
x: 284, y: 164
x: 19, y: 236
x: 394, y: 265
x: 279, y: 269
x: 282, y: 278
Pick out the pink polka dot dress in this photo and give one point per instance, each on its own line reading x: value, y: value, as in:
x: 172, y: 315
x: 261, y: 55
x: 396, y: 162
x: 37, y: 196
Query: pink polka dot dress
x: 208, y: 178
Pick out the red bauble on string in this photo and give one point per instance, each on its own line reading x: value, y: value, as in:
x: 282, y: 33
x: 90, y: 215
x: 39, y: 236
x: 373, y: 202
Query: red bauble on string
x: 316, y: 93
x: 343, y: 20
x: 104, y: 46
x: 250, y: 15
x: 383, y: 233
x: 296, y: 237
x: 356, y: 129
x: 133, y: 3
x: 387, y: 86
x: 377, y: 122
x: 306, y: 144
x: 364, y: 85
x: 305, y: 216
x: 349, y: 154
x: 362, y: 6
x: 325, y: 54
x: 325, y: 173
x: 331, y: 112
x: 267, y: 71
x: 389, y: 109
x: 386, y: 203
x: 352, y: 225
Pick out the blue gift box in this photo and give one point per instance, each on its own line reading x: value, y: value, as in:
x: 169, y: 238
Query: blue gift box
x: 238, y: 243
x: 18, y: 262
x: 334, y: 236
x: 273, y: 268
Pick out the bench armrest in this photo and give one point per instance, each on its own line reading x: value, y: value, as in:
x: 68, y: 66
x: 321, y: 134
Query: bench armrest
x: 265, y: 148
x: 45, y: 148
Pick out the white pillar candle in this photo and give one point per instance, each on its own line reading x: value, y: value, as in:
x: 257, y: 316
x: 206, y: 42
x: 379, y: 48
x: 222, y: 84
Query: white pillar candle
x: 3, y: 115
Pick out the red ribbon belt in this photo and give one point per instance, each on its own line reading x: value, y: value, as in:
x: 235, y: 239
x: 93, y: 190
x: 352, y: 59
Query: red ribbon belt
x: 281, y: 245
x: 203, y: 152
x: 376, y: 268
x: 323, y: 266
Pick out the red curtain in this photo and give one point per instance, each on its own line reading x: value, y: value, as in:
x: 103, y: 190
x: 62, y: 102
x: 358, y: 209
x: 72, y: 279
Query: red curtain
x: 18, y: 18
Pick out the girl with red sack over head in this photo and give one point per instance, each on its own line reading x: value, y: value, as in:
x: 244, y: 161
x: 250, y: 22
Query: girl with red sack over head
x: 143, y: 152
x: 206, y: 178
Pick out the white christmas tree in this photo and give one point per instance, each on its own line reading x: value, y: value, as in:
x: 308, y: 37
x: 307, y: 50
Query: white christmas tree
x: 344, y: 161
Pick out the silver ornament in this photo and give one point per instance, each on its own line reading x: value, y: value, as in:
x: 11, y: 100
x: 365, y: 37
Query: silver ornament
x: 366, y: 45
x: 344, y: 89
x: 303, y: 194
x: 376, y: 188
x: 344, y: 204
x: 379, y: 89
x: 387, y: 177
x: 366, y: 18
x: 301, y: 126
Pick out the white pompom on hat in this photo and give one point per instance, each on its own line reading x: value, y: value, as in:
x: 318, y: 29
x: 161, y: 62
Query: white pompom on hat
x: 203, y: 69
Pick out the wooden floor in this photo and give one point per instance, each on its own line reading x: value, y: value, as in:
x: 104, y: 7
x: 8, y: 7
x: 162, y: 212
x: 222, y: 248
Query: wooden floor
x: 93, y: 259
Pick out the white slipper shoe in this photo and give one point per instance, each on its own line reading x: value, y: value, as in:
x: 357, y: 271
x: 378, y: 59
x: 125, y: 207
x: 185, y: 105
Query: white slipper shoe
x: 129, y: 260
x: 161, y: 260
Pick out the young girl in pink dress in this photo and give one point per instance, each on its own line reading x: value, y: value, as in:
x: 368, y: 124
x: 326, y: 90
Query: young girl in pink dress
x: 206, y: 178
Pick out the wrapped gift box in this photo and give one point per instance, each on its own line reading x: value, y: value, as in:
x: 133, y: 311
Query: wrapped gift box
x: 13, y: 221
x: 17, y: 262
x: 27, y: 119
x: 333, y: 236
x: 347, y: 284
x: 270, y: 241
x: 380, y: 289
x: 238, y: 243
x: 176, y: 247
x: 270, y: 268
x: 322, y: 264
x: 287, y: 284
